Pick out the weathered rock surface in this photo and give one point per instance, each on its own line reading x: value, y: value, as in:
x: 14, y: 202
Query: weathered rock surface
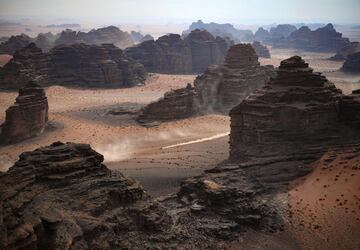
x: 296, y: 113
x: 205, y: 49
x: 261, y: 50
x: 222, y: 87
x: 176, y: 104
x: 73, y: 65
x: 262, y: 35
x: 219, y: 89
x: 45, y: 41
x: 27, y: 117
x: 222, y: 30
x: 282, y: 31
x: 325, y: 39
x: 173, y: 55
x: 14, y: 43
x: 169, y: 54
x: 350, y: 109
x: 344, y: 52
x: 63, y: 197
x: 110, y: 34
x: 352, y: 63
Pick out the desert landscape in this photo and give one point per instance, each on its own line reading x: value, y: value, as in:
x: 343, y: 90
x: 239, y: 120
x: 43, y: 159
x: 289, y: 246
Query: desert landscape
x: 151, y: 132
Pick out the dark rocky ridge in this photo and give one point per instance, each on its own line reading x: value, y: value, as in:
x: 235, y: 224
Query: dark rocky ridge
x: 72, y: 65
x: 173, y: 55
x: 15, y: 43
x: 325, y: 39
x: 352, y: 63
x: 63, y: 197
x: 343, y: 53
x: 296, y: 113
x: 219, y: 89
x: 27, y: 117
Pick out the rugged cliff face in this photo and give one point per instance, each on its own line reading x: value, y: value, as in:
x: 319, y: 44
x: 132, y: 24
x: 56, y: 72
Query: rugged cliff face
x: 352, y: 63
x: 169, y: 54
x: 27, y: 117
x: 72, y: 65
x: 261, y: 50
x: 173, y: 55
x: 15, y: 43
x: 325, y: 39
x: 219, y: 89
x: 295, y: 113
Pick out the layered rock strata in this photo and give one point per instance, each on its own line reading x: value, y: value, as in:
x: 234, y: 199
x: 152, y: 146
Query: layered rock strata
x: 73, y: 65
x: 173, y: 55
x: 219, y: 89
x: 352, y: 63
x: 296, y: 113
x: 27, y: 117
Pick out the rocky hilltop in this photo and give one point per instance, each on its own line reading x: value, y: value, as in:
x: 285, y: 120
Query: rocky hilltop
x: 296, y: 113
x: 219, y: 89
x: 27, y: 117
x: 352, y: 63
x: 325, y: 39
x: 222, y: 30
x: 15, y: 43
x: 110, y: 34
x: 63, y: 197
x: 173, y: 55
x: 73, y: 65
x: 261, y: 50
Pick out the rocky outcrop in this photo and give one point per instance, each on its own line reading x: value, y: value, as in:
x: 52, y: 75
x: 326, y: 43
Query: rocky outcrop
x: 176, y: 104
x: 352, y: 63
x: 73, y: 65
x: 45, y: 41
x: 63, y: 197
x: 282, y: 31
x: 325, y: 39
x: 219, y: 89
x: 296, y: 113
x: 146, y: 38
x: 223, y: 87
x: 344, y: 52
x: 110, y: 34
x: 169, y: 54
x: 350, y: 109
x: 222, y: 30
x: 261, y: 50
x: 27, y: 64
x: 15, y: 43
x: 205, y: 49
x: 27, y: 117
x: 262, y: 35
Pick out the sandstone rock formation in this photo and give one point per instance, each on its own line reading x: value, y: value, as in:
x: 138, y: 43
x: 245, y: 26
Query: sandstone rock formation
x: 261, y: 50
x: 325, y: 39
x: 136, y: 36
x: 173, y: 55
x: 176, y: 104
x: 14, y: 43
x: 296, y: 113
x: 45, y: 41
x: 205, y: 49
x: 223, y: 87
x: 344, y: 52
x: 222, y: 30
x: 27, y: 117
x: 146, y: 38
x: 282, y: 31
x: 352, y: 63
x: 110, y: 34
x: 262, y: 35
x: 169, y: 54
x: 350, y: 109
x: 73, y: 65
x: 63, y: 197
x: 219, y: 89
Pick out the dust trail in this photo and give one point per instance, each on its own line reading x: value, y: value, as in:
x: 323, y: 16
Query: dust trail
x: 198, y: 140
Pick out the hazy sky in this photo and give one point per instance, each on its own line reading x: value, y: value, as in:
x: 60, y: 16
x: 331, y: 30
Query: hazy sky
x: 236, y: 11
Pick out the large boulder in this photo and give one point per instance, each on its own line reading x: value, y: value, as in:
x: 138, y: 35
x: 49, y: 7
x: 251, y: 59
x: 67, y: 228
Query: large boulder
x: 73, y: 65
x: 295, y: 113
x: 352, y: 63
x: 27, y: 117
